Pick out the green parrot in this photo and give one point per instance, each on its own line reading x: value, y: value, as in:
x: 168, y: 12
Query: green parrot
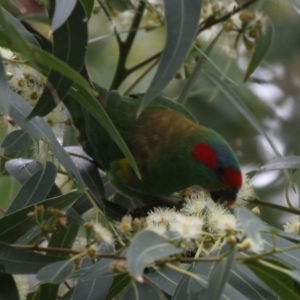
x: 172, y: 151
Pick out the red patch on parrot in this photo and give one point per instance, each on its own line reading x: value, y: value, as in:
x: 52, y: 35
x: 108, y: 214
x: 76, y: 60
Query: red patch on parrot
x: 233, y: 178
x: 206, y: 155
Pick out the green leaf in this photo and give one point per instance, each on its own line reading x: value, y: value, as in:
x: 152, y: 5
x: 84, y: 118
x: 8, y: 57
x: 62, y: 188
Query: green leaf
x: 18, y: 261
x: 5, y: 19
x: 281, y: 283
x: 4, y: 99
x: 62, y: 11
x: 94, y: 289
x: 219, y: 276
x: 137, y: 291
x: 119, y: 283
x: 22, y: 169
x: 262, y: 45
x: 16, y: 141
x: 35, y: 189
x: 89, y: 172
x: 239, y: 105
x: 146, y: 247
x: 38, y: 128
x: 69, y: 45
x: 56, y: 272
x: 98, y: 112
x: 166, y: 279
x: 287, y: 162
x: 16, y: 225
x: 290, y: 258
x: 190, y: 82
x: 247, y: 283
x: 182, y: 17
x: 48, y: 291
x: 101, y: 268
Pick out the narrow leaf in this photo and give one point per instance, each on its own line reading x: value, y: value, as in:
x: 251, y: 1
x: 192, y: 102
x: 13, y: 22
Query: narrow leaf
x: 35, y: 189
x: 262, y: 45
x: 16, y: 141
x: 17, y: 225
x: 281, y: 283
x: 69, y: 45
x: 63, y: 9
x: 242, y: 109
x: 22, y: 169
x: 4, y: 99
x: 219, y: 276
x: 182, y: 17
x: 146, y: 247
x: 190, y: 82
x: 287, y: 162
x: 56, y: 272
x: 38, y: 128
x: 18, y: 261
x: 120, y: 282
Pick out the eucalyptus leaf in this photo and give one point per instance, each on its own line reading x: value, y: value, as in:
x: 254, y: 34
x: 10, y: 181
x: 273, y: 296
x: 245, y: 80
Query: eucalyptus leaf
x: 219, y: 276
x: 262, y: 45
x: 35, y: 189
x: 101, y: 268
x: 22, y: 169
x: 182, y: 17
x: 16, y: 141
x: 62, y: 11
x: 56, y: 272
x: 4, y: 99
x: 232, y: 98
x: 166, y: 279
x: 119, y: 283
x: 287, y: 162
x: 17, y: 225
x: 18, y: 261
x: 69, y: 26
x: 38, y: 128
x: 146, y: 247
x: 280, y: 282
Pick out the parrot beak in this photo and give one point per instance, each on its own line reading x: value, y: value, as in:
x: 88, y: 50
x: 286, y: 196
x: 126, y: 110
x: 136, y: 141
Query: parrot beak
x: 224, y: 196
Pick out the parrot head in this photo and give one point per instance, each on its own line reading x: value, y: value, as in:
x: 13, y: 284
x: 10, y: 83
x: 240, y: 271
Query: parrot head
x: 222, y: 166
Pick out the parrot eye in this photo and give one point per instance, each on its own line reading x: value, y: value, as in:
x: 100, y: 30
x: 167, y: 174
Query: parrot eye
x: 220, y: 172
x: 224, y: 196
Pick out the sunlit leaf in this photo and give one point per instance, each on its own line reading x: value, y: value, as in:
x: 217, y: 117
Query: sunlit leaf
x: 262, y: 45
x: 182, y: 17
x: 146, y: 247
